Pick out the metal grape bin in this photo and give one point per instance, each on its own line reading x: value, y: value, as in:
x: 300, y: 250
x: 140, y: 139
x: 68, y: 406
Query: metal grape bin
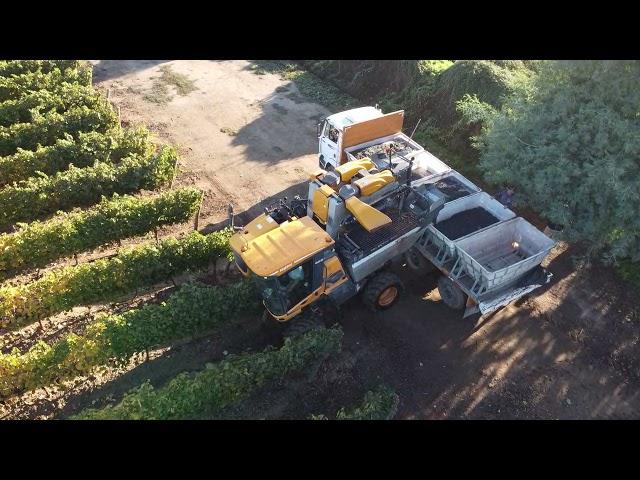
x: 500, y: 254
x: 480, y: 199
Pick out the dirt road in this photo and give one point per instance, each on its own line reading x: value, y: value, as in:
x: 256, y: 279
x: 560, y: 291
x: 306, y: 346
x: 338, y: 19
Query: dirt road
x: 570, y: 351
x: 242, y: 137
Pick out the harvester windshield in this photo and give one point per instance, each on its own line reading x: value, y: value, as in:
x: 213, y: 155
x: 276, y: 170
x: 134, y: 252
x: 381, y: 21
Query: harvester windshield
x: 285, y: 291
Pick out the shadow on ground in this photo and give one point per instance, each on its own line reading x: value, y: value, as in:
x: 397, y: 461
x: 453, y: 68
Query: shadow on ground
x: 285, y: 111
x: 110, y: 69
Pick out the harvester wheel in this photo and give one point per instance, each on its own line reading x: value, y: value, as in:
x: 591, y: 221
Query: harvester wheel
x: 417, y: 262
x: 304, y: 322
x: 451, y: 294
x: 382, y: 291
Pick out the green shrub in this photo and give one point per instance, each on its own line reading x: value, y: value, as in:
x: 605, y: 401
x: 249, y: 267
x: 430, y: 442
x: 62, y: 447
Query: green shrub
x: 192, y: 310
x: 84, y: 151
x: 108, y: 278
x: 45, y: 129
x: 39, y: 243
x: 19, y: 67
x: 16, y: 86
x: 222, y: 384
x: 570, y: 145
x: 29, y: 108
x: 379, y: 404
x: 39, y: 196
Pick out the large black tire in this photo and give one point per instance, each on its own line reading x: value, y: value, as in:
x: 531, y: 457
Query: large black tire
x: 302, y: 323
x: 382, y: 291
x: 330, y: 312
x: 417, y: 262
x: 451, y: 294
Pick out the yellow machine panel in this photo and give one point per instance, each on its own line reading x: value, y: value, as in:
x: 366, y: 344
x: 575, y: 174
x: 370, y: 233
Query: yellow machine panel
x: 368, y: 216
x: 321, y: 202
x: 349, y: 169
x: 372, y: 183
x: 258, y: 226
x: 284, y: 247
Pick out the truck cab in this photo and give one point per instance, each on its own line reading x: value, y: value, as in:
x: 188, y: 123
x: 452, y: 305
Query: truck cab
x: 330, y: 132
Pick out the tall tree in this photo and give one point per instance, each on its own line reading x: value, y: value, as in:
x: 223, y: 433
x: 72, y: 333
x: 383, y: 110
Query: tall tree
x: 570, y: 144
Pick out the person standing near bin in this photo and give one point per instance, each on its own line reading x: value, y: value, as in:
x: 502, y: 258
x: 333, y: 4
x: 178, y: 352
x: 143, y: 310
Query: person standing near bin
x: 505, y: 197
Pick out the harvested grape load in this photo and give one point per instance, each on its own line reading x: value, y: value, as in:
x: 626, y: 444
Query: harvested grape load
x: 374, y: 151
x: 463, y: 223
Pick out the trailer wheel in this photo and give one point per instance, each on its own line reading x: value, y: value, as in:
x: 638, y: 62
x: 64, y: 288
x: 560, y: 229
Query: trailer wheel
x: 417, y: 262
x: 451, y: 294
x: 382, y: 291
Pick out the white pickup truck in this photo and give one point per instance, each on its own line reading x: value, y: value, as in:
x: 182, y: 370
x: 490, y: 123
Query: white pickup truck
x: 488, y: 257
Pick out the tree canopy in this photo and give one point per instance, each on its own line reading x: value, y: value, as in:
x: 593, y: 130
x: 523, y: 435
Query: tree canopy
x: 570, y: 144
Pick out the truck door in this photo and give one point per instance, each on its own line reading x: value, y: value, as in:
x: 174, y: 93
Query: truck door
x: 329, y: 136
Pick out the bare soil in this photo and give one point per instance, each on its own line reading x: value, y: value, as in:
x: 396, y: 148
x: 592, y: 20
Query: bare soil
x: 243, y: 138
x: 570, y: 350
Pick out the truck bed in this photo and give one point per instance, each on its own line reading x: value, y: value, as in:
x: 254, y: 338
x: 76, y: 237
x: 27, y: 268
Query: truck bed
x: 466, y: 222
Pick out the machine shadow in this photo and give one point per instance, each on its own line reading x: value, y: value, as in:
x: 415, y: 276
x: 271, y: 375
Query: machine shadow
x: 110, y: 69
x: 286, y: 128
x: 243, y: 217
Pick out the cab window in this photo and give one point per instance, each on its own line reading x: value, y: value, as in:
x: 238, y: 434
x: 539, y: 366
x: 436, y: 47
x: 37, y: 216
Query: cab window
x: 297, y: 283
x: 331, y: 132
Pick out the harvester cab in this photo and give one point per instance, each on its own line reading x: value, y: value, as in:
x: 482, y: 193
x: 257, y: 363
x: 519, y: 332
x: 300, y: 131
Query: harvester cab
x: 357, y: 219
x: 293, y: 263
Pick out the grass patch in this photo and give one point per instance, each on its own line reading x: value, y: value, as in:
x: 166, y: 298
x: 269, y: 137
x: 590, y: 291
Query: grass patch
x: 309, y: 85
x: 184, y: 85
x: 229, y: 131
x: 159, y: 92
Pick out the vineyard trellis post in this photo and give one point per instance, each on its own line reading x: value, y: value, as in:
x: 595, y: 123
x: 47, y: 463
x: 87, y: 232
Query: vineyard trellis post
x: 175, y: 172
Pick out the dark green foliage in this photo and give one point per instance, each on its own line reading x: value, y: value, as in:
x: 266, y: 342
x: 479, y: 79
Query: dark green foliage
x: 570, y: 144
x: 80, y: 187
x: 108, y: 278
x: 38, y: 243
x: 221, y: 384
x: 378, y: 404
x: 630, y: 271
x: 192, y: 310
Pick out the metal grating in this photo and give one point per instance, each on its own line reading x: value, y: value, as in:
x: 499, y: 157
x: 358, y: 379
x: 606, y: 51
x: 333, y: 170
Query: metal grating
x: 401, y: 223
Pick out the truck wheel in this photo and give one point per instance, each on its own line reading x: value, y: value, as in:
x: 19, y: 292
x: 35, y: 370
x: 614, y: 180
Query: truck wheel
x: 304, y: 322
x: 382, y: 291
x: 451, y: 294
x: 417, y: 262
